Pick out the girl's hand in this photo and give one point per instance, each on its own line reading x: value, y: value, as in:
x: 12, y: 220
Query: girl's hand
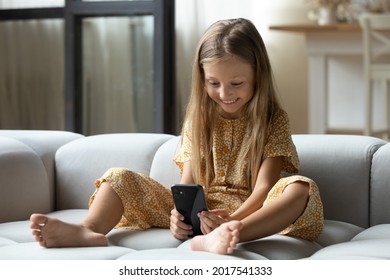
x: 210, y: 220
x: 178, y: 228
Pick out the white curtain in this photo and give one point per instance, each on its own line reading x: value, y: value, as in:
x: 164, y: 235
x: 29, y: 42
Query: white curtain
x: 187, y: 33
x: 31, y: 74
x: 117, y: 59
x: 107, y: 75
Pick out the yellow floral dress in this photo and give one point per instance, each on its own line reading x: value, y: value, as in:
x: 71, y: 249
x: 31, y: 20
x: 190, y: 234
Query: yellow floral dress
x: 148, y: 204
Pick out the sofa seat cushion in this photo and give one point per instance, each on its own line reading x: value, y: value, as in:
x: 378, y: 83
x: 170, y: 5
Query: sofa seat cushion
x: 142, y: 240
x: 6, y: 241
x: 20, y: 231
x: 337, y: 232
x: 372, y: 243
x: 275, y: 247
x: 281, y: 247
x: 32, y: 251
x: 184, y: 253
x: 362, y: 249
x: 375, y: 232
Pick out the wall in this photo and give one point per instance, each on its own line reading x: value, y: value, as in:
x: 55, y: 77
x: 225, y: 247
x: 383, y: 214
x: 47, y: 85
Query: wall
x: 286, y: 50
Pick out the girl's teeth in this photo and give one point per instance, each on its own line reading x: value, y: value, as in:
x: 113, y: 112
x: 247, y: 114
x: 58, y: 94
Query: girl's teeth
x: 229, y: 102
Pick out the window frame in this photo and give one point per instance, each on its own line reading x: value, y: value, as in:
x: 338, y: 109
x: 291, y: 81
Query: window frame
x: 73, y: 13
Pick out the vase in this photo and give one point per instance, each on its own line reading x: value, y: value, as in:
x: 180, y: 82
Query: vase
x: 326, y: 15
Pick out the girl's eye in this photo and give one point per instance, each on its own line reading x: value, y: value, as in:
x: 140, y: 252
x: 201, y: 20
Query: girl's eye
x: 237, y: 84
x: 213, y: 84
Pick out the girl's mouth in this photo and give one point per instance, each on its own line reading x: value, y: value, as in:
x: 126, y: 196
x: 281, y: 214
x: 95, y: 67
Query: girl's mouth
x: 229, y: 102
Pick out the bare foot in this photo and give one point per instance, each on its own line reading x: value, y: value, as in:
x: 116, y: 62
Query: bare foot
x: 53, y: 233
x: 222, y: 240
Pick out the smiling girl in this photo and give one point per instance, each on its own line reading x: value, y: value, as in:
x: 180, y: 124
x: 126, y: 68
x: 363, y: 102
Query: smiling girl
x: 236, y: 142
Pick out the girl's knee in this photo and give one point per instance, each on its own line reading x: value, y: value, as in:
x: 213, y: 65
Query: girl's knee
x: 299, y: 189
x: 118, y: 172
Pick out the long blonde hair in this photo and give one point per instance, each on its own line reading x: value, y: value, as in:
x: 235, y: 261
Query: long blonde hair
x: 237, y: 37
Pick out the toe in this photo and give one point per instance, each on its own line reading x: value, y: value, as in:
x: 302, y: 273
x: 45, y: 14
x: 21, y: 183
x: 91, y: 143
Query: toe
x: 38, y: 219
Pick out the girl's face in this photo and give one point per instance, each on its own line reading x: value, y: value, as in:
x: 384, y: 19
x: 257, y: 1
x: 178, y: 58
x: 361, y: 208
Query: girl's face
x: 230, y: 83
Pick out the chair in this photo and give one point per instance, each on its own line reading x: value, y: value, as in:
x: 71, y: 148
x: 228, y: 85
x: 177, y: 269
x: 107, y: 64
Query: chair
x: 376, y: 61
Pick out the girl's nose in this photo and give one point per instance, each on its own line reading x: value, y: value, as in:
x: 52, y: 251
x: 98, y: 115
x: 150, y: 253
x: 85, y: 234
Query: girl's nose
x: 224, y: 92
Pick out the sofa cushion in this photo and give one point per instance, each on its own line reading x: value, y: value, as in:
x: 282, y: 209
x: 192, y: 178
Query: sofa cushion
x: 380, y: 187
x: 371, y: 243
x: 32, y: 251
x: 164, y: 169
x: 361, y: 249
x: 143, y: 240
x: 44, y: 143
x: 81, y: 162
x: 375, y: 232
x: 341, y: 166
x: 6, y: 241
x: 185, y: 253
x: 17, y: 231
x: 24, y: 182
x: 337, y: 232
x: 281, y: 247
x: 20, y: 231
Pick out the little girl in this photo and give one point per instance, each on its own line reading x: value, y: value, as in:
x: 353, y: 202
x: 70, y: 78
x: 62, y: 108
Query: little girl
x: 236, y: 142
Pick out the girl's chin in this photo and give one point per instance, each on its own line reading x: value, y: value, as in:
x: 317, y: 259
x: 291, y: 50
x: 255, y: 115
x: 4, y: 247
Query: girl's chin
x: 230, y: 114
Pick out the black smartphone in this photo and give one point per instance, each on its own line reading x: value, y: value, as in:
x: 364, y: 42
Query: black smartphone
x: 189, y: 201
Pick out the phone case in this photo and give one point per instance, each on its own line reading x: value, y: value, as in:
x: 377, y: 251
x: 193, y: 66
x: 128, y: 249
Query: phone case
x: 189, y: 201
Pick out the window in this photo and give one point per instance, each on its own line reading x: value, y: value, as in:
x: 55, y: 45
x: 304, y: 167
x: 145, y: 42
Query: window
x: 103, y: 67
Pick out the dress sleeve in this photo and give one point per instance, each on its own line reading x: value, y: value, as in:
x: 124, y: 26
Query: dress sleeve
x: 184, y: 153
x: 280, y: 143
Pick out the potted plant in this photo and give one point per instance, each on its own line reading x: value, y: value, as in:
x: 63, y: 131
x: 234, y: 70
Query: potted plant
x: 324, y: 11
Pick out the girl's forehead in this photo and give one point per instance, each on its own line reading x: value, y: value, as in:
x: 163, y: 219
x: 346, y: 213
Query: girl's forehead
x: 221, y: 59
x: 231, y: 66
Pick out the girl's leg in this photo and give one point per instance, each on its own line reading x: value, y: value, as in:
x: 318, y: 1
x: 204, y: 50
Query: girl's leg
x: 266, y: 221
x: 278, y: 215
x: 104, y: 213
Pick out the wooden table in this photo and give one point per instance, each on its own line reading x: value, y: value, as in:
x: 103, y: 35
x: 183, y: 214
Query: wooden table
x: 335, y: 75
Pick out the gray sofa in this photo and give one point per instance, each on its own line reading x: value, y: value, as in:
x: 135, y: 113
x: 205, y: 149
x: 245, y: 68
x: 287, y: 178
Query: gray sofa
x: 54, y: 172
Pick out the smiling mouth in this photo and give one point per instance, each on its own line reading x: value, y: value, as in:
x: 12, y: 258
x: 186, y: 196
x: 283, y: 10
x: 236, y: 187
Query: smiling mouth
x: 228, y: 102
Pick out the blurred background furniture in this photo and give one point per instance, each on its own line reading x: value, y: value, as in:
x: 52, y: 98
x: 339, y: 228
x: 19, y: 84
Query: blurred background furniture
x: 335, y: 76
x: 376, y: 61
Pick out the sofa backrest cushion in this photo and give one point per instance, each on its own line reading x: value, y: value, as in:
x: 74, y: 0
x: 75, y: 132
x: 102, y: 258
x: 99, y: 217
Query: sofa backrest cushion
x: 24, y: 186
x: 81, y: 162
x: 164, y: 169
x: 380, y: 187
x: 44, y: 143
x: 341, y: 167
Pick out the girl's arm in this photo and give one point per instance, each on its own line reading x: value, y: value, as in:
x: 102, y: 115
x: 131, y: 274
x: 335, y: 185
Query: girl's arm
x: 186, y: 176
x: 267, y: 177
